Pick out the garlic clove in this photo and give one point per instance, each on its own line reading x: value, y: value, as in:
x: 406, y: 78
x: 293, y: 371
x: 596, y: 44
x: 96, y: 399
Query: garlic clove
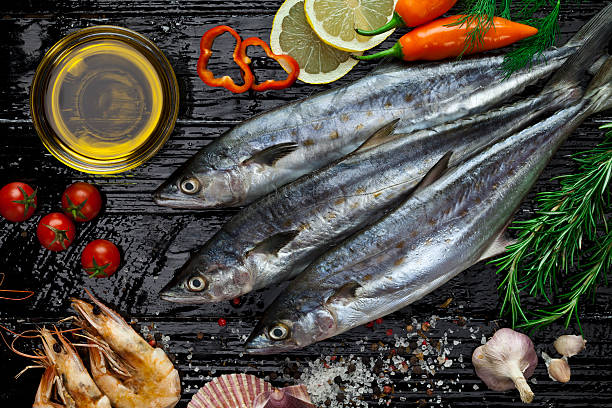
x: 569, y: 345
x: 506, y: 361
x: 558, y: 368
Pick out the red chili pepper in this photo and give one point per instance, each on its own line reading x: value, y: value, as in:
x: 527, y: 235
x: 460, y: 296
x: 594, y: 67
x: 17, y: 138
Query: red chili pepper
x: 379, y: 320
x: 288, y: 63
x: 221, y: 322
x: 412, y: 13
x: 440, y: 39
x: 389, y: 332
x: 236, y: 301
x: 370, y: 324
x: 241, y: 59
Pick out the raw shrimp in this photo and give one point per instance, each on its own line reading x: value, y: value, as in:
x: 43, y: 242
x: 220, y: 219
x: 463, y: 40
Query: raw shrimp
x: 125, y: 367
x: 45, y: 390
x: 64, y: 368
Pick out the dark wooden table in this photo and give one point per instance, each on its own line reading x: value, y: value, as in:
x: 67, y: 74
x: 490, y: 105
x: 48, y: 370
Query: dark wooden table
x: 155, y: 240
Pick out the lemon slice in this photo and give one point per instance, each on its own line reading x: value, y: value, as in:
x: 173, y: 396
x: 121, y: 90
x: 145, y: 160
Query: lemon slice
x: 335, y: 21
x: 291, y: 34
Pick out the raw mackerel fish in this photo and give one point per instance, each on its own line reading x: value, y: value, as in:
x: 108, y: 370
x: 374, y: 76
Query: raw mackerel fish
x: 439, y: 231
x: 275, y: 148
x: 276, y: 237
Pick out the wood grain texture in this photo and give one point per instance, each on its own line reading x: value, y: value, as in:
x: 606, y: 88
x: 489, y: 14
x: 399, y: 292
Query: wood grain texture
x: 155, y: 241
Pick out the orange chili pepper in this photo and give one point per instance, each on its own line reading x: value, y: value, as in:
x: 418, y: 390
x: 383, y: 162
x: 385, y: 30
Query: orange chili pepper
x: 288, y: 63
x: 440, y: 39
x: 413, y: 13
x: 241, y: 59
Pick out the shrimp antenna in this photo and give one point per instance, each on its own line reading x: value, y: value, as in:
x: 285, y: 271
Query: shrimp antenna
x: 29, y: 292
x: 27, y: 368
x: 111, y: 357
x: 11, y: 346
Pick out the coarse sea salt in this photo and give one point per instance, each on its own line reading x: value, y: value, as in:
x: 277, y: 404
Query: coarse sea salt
x: 358, y: 381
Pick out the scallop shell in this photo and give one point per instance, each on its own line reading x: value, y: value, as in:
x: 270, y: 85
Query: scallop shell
x: 289, y: 397
x: 230, y: 391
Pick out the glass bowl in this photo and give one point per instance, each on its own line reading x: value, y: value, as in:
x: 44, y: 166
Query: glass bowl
x: 104, y: 100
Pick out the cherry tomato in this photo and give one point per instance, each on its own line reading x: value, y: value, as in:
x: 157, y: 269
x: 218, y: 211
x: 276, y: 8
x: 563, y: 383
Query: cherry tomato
x: 17, y: 201
x: 55, y: 232
x: 221, y: 322
x: 81, y: 201
x: 100, y: 258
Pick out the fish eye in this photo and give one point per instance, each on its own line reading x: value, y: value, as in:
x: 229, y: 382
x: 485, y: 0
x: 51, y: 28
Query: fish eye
x: 96, y: 310
x: 57, y: 348
x: 196, y: 284
x: 190, y: 185
x: 279, y: 332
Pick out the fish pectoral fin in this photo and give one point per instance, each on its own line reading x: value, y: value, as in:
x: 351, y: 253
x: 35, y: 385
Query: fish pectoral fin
x: 381, y: 136
x: 274, y: 243
x: 498, y: 246
x: 344, y: 293
x: 272, y: 154
x: 434, y: 173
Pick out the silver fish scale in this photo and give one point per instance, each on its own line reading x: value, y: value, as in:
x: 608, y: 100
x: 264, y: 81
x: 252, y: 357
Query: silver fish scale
x: 434, y: 235
x: 330, y: 204
x: 329, y: 125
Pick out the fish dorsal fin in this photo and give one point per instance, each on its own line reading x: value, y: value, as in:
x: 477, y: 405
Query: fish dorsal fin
x: 498, y: 246
x: 274, y: 243
x: 272, y: 154
x: 381, y: 136
x: 344, y: 293
x: 434, y: 173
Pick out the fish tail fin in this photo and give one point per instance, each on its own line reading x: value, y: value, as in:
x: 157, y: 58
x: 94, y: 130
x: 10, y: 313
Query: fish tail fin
x: 599, y: 92
x: 599, y: 26
x: 578, y: 68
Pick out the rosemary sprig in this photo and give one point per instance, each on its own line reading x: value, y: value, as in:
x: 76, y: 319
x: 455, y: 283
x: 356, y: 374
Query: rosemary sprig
x: 550, y: 244
x: 583, y: 283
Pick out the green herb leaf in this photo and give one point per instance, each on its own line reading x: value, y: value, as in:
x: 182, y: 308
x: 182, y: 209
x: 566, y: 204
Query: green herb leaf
x: 549, y: 247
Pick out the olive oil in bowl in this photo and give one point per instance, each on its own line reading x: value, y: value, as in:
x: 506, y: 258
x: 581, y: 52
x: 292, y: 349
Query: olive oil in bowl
x: 104, y: 100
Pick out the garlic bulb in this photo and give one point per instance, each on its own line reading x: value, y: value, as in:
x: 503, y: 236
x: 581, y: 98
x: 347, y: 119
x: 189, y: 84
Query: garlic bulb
x: 569, y: 345
x: 558, y: 368
x: 506, y: 361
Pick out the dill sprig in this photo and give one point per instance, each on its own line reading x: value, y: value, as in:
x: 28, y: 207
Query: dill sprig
x: 531, y: 48
x: 479, y: 15
x: 549, y: 247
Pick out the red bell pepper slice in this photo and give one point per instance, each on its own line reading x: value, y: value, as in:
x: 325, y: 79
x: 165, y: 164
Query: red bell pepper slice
x: 288, y: 63
x: 239, y: 57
